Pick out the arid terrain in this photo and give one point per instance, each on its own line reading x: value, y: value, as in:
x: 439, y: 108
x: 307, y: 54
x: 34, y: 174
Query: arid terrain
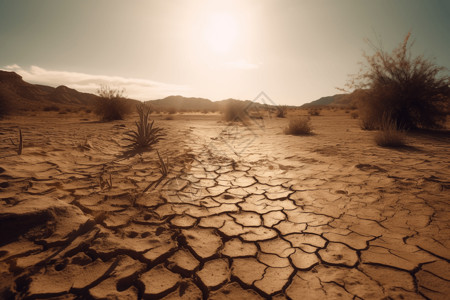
x: 245, y: 212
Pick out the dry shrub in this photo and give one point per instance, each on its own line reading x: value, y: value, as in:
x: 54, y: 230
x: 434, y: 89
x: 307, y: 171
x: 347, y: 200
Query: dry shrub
x: 314, y: 112
x: 111, y: 104
x: 354, y: 115
x: 171, y: 110
x: 282, y: 111
x: 390, y: 135
x: 235, y: 112
x: 299, y: 126
x: 412, y: 90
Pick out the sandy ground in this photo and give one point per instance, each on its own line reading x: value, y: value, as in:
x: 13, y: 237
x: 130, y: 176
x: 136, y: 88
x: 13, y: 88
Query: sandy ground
x: 246, y: 212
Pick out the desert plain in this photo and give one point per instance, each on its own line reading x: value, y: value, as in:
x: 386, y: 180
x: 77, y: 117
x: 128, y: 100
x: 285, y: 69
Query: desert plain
x: 243, y: 211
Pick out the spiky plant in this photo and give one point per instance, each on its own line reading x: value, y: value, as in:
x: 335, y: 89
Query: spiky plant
x: 20, y: 145
x: 145, y: 136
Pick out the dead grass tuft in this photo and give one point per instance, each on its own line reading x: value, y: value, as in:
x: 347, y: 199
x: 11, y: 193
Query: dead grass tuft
x: 299, y: 126
x: 235, y: 112
x: 282, y: 111
x: 389, y: 134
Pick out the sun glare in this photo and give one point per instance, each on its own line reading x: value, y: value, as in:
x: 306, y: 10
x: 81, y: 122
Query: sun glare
x: 221, y: 32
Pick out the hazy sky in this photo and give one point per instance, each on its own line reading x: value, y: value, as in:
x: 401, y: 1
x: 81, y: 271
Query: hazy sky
x: 294, y: 51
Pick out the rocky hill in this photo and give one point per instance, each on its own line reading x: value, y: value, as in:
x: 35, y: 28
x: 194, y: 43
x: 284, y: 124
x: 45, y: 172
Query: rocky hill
x: 335, y: 100
x: 19, y: 94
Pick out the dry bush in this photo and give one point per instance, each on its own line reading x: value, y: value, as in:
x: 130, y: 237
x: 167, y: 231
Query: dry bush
x: 412, y: 90
x: 389, y: 135
x: 171, y: 110
x: 282, y: 111
x: 235, y: 112
x: 354, y: 115
x: 314, y: 112
x: 111, y: 104
x: 299, y: 126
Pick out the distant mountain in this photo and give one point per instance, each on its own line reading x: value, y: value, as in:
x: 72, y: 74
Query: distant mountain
x: 181, y: 103
x: 338, y: 100
x: 23, y: 95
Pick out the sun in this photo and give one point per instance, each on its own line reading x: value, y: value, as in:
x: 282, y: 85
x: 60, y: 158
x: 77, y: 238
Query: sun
x: 221, y: 32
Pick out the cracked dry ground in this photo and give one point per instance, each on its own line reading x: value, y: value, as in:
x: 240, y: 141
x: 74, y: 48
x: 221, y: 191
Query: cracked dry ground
x: 329, y: 216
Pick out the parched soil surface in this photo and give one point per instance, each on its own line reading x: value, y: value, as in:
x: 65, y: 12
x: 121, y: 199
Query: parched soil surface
x: 245, y: 212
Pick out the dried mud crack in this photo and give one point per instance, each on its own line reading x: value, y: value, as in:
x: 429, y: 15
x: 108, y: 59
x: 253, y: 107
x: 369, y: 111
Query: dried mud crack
x: 257, y: 225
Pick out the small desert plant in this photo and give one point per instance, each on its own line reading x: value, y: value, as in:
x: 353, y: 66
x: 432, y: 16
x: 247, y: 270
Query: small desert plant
x: 235, y: 112
x: 145, y: 136
x: 314, y: 112
x: 389, y: 135
x: 105, y: 183
x: 20, y: 144
x: 412, y: 90
x: 171, y: 110
x: 163, y: 169
x: 299, y: 126
x: 354, y: 115
x: 164, y: 165
x: 111, y: 104
x: 282, y: 111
